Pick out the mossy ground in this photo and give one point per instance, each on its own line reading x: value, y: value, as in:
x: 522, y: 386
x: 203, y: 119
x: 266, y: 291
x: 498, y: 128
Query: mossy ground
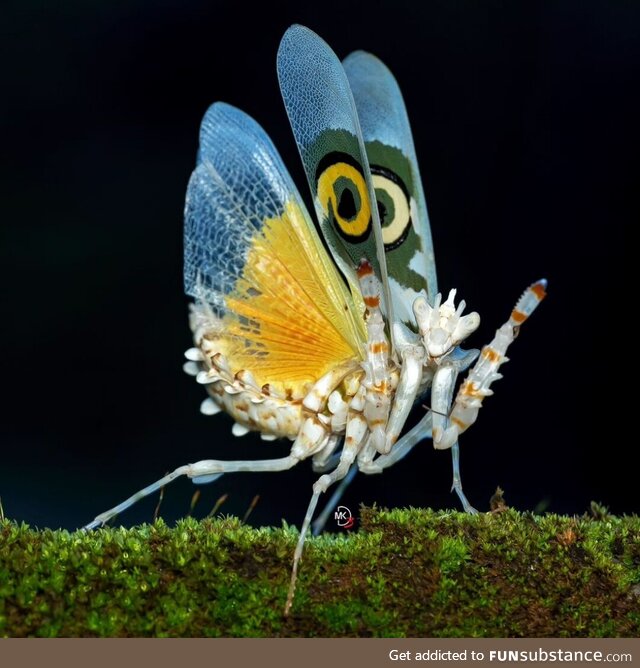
x: 416, y: 573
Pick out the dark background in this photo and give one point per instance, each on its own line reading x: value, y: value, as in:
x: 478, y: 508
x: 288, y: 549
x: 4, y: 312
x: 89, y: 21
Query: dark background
x: 525, y: 117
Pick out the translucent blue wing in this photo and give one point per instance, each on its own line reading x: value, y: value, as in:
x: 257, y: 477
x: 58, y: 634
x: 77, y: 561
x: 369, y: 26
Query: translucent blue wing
x: 392, y: 158
x: 238, y: 183
x: 252, y: 255
x: 324, y: 120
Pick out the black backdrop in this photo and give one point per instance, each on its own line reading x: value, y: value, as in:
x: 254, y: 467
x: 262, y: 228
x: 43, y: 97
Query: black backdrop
x: 525, y: 122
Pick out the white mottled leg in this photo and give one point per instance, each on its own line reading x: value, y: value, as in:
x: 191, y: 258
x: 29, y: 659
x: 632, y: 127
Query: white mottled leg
x: 366, y: 454
x: 365, y: 457
x: 355, y: 432
x: 299, y: 547
x: 205, y: 469
x: 441, y: 396
x: 457, y: 482
x: 444, y: 381
x: 347, y: 457
x: 328, y: 465
x: 401, y: 448
x: 327, y: 458
x: 321, y: 520
x: 419, y: 432
x: 406, y: 392
x: 312, y: 438
x: 485, y: 371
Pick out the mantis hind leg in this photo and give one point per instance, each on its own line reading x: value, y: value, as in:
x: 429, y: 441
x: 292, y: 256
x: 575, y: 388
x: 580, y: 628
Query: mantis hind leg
x: 457, y: 482
x: 318, y: 525
x: 201, y: 472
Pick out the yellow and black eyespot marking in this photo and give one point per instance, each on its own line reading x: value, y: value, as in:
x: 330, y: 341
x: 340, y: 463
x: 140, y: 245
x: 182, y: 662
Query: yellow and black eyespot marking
x: 342, y: 192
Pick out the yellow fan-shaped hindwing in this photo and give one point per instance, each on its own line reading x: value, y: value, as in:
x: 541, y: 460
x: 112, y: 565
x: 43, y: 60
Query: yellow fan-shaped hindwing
x: 290, y: 318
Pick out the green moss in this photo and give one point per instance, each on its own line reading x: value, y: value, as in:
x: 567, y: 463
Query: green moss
x: 404, y: 573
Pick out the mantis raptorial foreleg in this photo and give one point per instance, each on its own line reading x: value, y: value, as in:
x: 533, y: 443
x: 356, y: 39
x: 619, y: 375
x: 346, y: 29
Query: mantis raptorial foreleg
x: 485, y: 371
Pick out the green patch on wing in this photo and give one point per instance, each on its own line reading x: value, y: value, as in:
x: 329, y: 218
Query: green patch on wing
x: 337, y: 192
x: 399, y: 258
x: 334, y: 146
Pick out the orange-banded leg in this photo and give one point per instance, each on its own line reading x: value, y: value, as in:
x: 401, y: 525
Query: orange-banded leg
x: 444, y: 381
x: 485, y: 371
x: 364, y: 463
x: 369, y: 464
x: 376, y: 366
x: 327, y: 464
x: 380, y: 382
x: 402, y: 448
x: 442, y: 328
